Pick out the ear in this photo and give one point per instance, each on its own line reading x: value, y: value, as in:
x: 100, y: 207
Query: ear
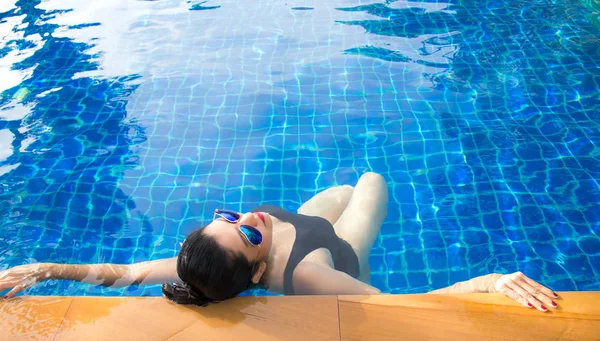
x: 262, y: 267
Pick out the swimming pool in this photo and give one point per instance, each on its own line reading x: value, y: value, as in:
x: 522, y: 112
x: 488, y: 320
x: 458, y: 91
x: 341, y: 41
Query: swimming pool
x: 124, y: 124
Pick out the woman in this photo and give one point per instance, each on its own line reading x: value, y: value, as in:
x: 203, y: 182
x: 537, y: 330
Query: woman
x: 322, y: 250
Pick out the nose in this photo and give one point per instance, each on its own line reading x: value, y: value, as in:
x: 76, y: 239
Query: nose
x: 249, y: 219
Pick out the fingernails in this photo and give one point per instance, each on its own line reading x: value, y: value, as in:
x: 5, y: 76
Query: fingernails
x: 544, y: 308
x: 5, y: 297
x: 554, y: 304
x: 555, y: 295
x: 531, y: 305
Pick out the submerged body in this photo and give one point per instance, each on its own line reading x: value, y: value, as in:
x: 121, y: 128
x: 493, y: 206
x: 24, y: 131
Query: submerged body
x: 321, y: 249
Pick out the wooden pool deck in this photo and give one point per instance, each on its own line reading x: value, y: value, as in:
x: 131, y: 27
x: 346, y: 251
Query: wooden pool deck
x: 382, y: 317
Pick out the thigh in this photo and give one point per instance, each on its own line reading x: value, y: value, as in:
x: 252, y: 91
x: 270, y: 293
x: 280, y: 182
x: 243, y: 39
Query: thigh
x: 328, y: 204
x: 361, y: 221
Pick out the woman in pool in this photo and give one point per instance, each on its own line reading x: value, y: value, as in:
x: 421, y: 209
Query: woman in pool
x: 322, y: 250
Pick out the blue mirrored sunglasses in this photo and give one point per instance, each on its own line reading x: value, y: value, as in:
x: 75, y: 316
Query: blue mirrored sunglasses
x: 253, y: 236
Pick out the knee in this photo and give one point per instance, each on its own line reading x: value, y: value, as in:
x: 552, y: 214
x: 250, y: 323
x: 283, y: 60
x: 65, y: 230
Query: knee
x: 340, y: 190
x: 343, y: 193
x: 374, y: 179
x: 346, y: 189
x: 376, y: 185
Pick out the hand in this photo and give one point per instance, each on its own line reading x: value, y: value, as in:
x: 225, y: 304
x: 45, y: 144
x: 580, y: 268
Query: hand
x: 22, y: 277
x: 525, y: 291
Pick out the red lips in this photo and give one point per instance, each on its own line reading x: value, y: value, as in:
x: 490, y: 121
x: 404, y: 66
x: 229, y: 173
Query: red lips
x: 261, y: 216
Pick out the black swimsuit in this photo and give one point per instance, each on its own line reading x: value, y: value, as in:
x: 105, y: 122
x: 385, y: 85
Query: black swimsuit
x: 313, y: 233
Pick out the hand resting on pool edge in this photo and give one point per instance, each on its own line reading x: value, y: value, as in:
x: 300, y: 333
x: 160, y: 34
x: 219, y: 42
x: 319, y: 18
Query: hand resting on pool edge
x: 323, y: 249
x: 516, y: 286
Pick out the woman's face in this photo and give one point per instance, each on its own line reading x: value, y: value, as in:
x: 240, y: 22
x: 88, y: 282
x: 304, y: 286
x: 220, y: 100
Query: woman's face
x: 229, y: 236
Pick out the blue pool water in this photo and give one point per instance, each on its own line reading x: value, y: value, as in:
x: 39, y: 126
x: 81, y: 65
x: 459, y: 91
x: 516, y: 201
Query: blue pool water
x: 124, y: 124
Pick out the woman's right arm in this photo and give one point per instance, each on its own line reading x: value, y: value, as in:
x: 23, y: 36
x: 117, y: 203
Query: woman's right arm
x: 516, y: 286
x: 109, y: 275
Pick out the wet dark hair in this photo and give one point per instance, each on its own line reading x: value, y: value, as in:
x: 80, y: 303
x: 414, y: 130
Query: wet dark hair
x: 210, y: 272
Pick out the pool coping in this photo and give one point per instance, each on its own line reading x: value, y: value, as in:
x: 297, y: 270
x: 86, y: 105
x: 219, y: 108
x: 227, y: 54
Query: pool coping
x: 377, y: 317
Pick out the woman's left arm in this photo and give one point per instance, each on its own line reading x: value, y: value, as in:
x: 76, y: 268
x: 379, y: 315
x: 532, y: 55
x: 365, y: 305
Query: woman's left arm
x: 516, y: 286
x: 22, y: 277
x: 316, y: 279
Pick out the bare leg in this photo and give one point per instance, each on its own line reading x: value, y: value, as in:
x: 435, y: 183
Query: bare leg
x: 361, y: 221
x: 365, y: 275
x: 328, y: 204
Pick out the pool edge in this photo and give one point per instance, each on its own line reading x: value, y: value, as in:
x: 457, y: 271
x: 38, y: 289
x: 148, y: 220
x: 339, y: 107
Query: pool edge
x: 379, y: 317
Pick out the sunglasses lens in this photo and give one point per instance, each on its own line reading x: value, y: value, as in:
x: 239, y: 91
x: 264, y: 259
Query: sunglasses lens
x: 254, y: 236
x: 229, y: 215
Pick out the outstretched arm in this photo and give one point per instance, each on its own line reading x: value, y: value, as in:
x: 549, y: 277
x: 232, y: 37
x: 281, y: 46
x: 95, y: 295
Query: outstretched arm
x: 516, y: 286
x: 479, y: 284
x: 109, y: 275
x: 315, y: 279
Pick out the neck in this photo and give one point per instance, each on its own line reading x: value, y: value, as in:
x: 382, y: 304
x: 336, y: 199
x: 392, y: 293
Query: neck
x: 274, y: 252
x: 264, y: 279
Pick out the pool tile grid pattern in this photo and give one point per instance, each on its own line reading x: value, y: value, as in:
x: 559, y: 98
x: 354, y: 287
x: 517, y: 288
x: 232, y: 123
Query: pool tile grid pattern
x: 482, y: 117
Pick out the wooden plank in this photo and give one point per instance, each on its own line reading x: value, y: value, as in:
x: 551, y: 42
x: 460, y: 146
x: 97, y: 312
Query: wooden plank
x: 32, y: 318
x: 380, y: 317
x: 247, y: 318
x: 467, y: 317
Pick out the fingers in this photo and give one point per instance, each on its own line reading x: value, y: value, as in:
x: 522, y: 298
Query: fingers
x: 539, y: 287
x: 538, y: 295
x: 526, y: 291
x: 18, y: 279
x: 14, y: 291
x: 526, y: 296
x: 534, y: 293
x: 6, y: 283
x: 510, y: 293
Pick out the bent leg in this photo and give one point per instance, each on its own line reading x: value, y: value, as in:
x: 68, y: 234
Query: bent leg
x: 365, y: 275
x: 328, y: 204
x: 361, y: 221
